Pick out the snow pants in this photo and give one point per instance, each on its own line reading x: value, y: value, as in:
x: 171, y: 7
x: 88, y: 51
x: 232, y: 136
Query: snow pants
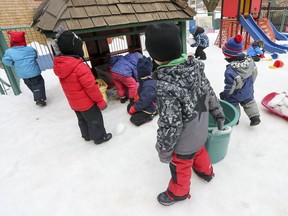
x: 200, y: 53
x: 37, y: 87
x: 124, y: 85
x: 181, y: 172
x: 91, y: 123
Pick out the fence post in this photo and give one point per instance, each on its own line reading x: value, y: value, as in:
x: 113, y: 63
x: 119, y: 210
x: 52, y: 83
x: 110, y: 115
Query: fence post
x: 13, y: 79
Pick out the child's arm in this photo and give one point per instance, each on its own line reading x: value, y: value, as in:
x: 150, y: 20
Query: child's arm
x: 7, y: 60
x: 88, y: 82
x: 170, y: 124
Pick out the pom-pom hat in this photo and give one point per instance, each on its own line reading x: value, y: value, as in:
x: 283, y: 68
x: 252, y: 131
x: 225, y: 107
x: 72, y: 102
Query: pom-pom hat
x: 163, y: 41
x: 17, y: 38
x: 144, y: 66
x: 233, y: 47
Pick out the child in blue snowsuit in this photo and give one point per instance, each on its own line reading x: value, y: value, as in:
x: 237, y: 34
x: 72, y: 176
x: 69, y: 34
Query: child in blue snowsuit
x: 144, y: 108
x: 256, y: 50
x: 240, y: 76
x: 23, y: 59
x: 201, y: 41
x: 124, y: 75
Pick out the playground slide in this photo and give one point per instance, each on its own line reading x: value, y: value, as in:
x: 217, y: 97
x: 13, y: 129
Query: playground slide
x: 257, y: 34
x: 278, y: 35
x: 250, y: 18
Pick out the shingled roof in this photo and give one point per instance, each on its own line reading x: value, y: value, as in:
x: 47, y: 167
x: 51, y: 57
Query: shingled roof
x: 93, y: 14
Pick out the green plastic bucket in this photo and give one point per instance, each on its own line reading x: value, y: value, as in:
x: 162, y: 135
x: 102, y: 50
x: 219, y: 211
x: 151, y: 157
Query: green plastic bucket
x: 217, y: 144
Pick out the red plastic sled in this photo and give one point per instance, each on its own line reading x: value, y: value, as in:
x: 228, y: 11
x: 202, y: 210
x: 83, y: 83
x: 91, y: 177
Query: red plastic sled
x: 265, y: 102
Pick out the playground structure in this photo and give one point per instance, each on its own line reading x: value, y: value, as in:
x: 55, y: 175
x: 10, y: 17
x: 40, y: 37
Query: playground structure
x: 243, y: 17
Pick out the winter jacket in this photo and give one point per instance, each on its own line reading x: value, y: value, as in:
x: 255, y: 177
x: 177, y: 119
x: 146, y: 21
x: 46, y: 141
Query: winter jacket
x: 23, y: 60
x: 254, y: 50
x: 78, y: 83
x: 184, y: 100
x: 125, y: 65
x: 201, y: 39
x: 147, y: 95
x: 240, y: 75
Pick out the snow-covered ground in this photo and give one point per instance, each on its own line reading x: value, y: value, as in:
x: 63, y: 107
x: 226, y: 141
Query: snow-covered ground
x: 48, y: 169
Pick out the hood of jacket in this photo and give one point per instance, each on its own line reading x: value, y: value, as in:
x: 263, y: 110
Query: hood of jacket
x: 180, y: 72
x: 65, y: 65
x: 244, y: 67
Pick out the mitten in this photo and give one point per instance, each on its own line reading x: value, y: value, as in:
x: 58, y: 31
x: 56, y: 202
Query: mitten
x: 262, y: 56
x: 102, y: 104
x: 165, y: 159
x: 132, y: 110
x: 220, y: 123
x: 222, y: 96
x: 129, y: 106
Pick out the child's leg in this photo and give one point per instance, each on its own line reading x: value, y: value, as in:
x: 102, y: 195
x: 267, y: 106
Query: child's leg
x: 95, y: 123
x: 37, y: 86
x: 131, y: 85
x: 121, y: 90
x: 82, y: 125
x: 202, y: 165
x: 250, y: 108
x: 201, y: 53
x: 181, y: 170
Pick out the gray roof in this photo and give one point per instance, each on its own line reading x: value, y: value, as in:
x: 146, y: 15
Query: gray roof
x: 91, y: 14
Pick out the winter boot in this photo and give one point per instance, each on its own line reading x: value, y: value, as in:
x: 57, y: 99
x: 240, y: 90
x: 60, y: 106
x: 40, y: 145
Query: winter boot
x: 106, y: 138
x: 255, y: 120
x: 41, y: 102
x: 164, y: 199
x: 123, y: 99
x: 205, y: 177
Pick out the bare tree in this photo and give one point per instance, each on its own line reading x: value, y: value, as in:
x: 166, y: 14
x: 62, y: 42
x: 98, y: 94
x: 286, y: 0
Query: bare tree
x: 211, y: 4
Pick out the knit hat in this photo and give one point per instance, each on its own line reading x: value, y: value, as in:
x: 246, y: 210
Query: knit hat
x: 17, y: 38
x: 144, y: 67
x: 233, y: 47
x: 192, y: 29
x: 70, y: 44
x: 163, y: 41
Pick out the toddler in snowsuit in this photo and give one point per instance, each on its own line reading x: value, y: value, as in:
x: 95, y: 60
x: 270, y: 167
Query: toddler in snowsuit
x: 184, y: 100
x: 124, y: 75
x: 256, y: 50
x: 23, y: 59
x: 201, y: 41
x: 80, y: 88
x: 144, y: 107
x: 240, y: 76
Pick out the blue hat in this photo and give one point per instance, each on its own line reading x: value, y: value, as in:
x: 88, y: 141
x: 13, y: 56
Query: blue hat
x: 192, y: 29
x: 233, y: 47
x: 144, y: 66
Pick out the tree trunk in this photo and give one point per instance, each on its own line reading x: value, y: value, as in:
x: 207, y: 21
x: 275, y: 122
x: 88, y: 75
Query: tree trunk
x: 211, y: 4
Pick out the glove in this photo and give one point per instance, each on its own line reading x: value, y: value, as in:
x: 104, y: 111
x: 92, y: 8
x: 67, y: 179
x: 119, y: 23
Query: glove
x: 220, y: 123
x: 165, y: 159
x: 262, y: 56
x: 129, y: 106
x: 102, y: 105
x: 222, y: 96
x: 132, y: 110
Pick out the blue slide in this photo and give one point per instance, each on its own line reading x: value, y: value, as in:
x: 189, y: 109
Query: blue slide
x: 257, y: 34
x: 278, y: 35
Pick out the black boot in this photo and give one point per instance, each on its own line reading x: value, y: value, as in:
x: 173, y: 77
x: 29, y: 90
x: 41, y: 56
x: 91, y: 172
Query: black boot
x: 106, y: 138
x: 123, y: 99
x: 255, y: 120
x: 41, y: 102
